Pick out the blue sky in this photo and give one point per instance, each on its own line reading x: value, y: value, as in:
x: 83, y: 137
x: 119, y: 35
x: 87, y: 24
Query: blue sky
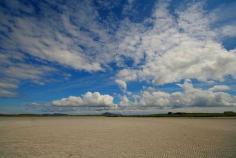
x: 126, y: 56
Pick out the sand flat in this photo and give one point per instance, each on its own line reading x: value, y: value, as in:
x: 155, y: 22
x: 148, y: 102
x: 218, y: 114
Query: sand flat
x: 111, y: 137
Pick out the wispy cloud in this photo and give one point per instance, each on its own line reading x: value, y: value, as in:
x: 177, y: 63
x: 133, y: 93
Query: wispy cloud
x: 14, y: 69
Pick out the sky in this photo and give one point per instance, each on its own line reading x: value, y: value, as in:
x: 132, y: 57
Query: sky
x: 128, y: 56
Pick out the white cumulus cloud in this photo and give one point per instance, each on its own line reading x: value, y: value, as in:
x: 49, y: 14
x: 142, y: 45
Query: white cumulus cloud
x: 188, y: 97
x: 91, y: 99
x: 219, y: 88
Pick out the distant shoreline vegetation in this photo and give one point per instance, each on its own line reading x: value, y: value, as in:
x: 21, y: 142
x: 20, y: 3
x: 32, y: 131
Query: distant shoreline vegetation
x: 109, y: 114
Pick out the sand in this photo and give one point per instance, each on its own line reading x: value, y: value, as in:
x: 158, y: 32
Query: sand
x: 110, y: 137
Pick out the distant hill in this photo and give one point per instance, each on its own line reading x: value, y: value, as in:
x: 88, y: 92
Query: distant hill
x: 110, y: 114
x: 54, y: 114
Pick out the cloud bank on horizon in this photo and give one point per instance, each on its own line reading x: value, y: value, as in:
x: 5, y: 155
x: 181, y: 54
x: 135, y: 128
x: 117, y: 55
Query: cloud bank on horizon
x: 99, y: 53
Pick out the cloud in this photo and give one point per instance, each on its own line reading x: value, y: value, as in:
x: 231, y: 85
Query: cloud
x: 189, y: 97
x: 63, y: 36
x: 14, y: 69
x: 177, y: 48
x: 227, y: 31
x: 122, y: 84
x: 164, y: 47
x: 60, y: 33
x: 219, y: 88
x: 34, y: 40
x: 8, y: 87
x: 7, y: 93
x: 90, y: 99
x: 25, y: 71
x: 224, y: 19
x: 124, y: 101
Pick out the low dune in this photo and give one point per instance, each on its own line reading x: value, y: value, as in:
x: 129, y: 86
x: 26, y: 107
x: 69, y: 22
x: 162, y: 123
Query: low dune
x: 117, y: 137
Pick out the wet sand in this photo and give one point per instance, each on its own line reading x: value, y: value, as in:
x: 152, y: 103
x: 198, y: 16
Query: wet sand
x: 111, y: 137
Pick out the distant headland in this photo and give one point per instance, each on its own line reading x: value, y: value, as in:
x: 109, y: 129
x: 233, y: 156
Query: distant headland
x: 111, y: 114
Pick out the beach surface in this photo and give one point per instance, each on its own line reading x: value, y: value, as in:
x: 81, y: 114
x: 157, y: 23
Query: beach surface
x: 117, y: 137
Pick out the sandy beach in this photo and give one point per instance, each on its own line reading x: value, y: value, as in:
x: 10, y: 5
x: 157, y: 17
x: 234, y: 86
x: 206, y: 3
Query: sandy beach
x: 111, y: 137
